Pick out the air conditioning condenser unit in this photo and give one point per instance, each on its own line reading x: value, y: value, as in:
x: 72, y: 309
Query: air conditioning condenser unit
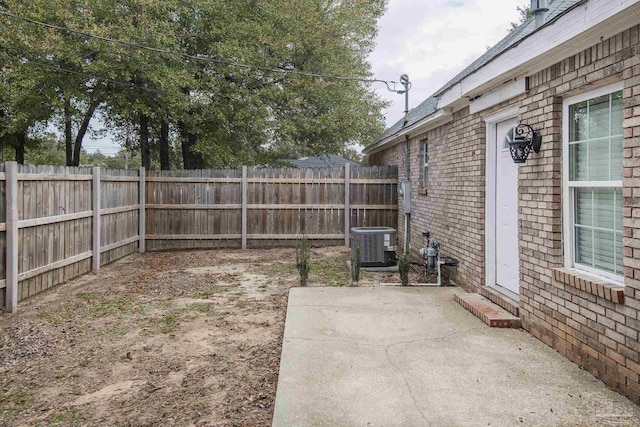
x: 377, y: 245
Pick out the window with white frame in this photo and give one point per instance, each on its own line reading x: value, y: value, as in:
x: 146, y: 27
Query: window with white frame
x: 593, y: 181
x: 425, y: 164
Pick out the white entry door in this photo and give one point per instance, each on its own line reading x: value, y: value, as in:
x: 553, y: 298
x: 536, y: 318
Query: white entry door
x: 507, y: 259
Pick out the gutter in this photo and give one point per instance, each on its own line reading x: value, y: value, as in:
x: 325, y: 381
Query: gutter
x: 436, y: 119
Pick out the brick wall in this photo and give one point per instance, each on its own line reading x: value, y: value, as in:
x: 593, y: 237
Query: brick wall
x: 568, y: 312
x: 452, y: 205
x: 590, y: 322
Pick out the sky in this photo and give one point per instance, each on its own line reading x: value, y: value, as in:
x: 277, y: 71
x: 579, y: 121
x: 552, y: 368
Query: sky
x: 431, y: 41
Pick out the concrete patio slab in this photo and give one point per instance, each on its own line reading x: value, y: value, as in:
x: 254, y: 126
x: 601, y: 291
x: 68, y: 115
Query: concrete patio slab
x: 413, y: 357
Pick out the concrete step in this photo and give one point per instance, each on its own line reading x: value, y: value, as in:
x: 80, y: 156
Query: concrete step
x: 490, y: 313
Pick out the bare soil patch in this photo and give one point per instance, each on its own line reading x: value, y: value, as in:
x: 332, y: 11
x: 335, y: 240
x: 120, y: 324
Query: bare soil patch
x: 183, y: 338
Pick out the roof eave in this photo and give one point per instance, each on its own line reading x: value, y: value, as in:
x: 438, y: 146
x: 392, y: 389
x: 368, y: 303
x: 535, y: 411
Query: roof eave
x: 435, y: 120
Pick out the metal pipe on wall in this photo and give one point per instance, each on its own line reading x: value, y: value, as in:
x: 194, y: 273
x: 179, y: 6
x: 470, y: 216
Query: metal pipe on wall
x: 407, y: 215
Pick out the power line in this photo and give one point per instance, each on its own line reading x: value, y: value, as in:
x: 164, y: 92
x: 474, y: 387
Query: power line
x: 58, y: 68
x: 390, y: 83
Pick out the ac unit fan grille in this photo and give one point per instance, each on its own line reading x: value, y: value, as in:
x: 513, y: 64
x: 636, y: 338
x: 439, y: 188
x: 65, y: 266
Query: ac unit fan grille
x: 372, y: 250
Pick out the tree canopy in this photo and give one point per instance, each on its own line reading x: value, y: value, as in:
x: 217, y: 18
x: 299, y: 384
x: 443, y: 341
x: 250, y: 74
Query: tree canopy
x: 171, y: 81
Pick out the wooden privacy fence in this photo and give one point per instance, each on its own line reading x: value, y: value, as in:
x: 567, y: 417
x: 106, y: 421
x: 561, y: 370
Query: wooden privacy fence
x: 60, y: 222
x: 257, y: 207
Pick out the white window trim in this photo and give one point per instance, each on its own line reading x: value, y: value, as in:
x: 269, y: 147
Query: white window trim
x: 568, y: 208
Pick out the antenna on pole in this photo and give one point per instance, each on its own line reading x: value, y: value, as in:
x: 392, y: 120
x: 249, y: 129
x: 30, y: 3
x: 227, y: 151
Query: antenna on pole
x: 404, y: 81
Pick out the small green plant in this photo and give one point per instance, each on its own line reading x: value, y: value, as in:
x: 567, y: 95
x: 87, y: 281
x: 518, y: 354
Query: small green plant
x: 65, y: 417
x: 303, y: 254
x: 355, y: 266
x: 404, y: 265
x: 166, y: 325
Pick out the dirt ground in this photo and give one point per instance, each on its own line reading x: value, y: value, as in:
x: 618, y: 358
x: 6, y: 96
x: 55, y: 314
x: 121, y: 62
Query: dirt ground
x: 182, y: 338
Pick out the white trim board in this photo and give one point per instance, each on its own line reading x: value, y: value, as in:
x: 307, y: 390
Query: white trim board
x: 499, y: 116
x: 499, y: 95
x: 490, y: 191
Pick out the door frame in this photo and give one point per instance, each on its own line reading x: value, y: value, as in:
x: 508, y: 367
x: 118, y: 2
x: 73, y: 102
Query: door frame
x: 490, y: 192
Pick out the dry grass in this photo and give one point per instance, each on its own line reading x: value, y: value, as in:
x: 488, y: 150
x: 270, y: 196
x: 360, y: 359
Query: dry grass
x: 187, y: 338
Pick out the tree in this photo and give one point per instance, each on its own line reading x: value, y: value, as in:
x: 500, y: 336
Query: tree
x: 24, y: 104
x: 241, y: 115
x: 59, y: 61
x: 46, y: 150
x: 122, y: 160
x: 287, y: 116
x: 218, y: 112
x: 524, y: 14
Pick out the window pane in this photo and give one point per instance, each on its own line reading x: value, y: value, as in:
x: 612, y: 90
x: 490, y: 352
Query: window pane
x: 584, y: 206
x: 618, y: 204
x: 604, y: 208
x: 584, y: 246
x: 618, y: 248
x: 599, y: 160
x: 578, y: 162
x: 616, y: 113
x: 598, y: 219
x: 578, y: 120
x: 599, y: 117
x: 604, y: 247
x: 616, y: 158
x: 598, y: 123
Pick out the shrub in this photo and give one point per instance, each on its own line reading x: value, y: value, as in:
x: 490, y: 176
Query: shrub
x: 303, y: 253
x: 404, y: 265
x: 355, y: 267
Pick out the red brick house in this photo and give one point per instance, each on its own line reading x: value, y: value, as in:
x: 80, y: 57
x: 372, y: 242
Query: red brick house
x: 555, y: 240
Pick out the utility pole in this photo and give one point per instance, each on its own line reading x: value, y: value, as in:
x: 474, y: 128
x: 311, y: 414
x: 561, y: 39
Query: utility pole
x: 406, y: 185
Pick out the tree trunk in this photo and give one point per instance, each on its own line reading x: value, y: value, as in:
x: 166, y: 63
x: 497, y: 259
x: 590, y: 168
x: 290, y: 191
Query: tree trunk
x: 165, y: 163
x: 190, y: 158
x: 144, y: 141
x: 83, y: 131
x: 21, y: 142
x: 68, y: 137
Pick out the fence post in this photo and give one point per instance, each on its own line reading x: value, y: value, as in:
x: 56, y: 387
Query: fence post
x: 95, y: 262
x: 347, y: 200
x: 142, y: 223
x: 244, y: 207
x: 11, y: 191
